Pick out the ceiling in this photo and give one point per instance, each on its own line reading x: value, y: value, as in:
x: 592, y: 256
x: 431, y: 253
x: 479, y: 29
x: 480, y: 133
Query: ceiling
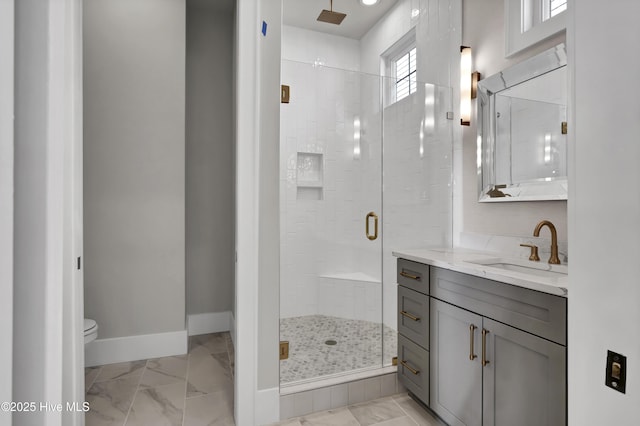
x: 303, y: 14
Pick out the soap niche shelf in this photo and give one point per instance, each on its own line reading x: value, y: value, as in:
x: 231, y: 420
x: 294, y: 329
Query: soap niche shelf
x: 309, y: 176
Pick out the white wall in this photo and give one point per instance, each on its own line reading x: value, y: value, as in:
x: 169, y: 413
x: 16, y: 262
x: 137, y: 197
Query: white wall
x: 302, y: 45
x: 6, y: 203
x: 46, y: 95
x: 269, y: 219
x: 210, y: 169
x: 604, y: 207
x: 73, y: 294
x: 482, y: 30
x: 134, y: 169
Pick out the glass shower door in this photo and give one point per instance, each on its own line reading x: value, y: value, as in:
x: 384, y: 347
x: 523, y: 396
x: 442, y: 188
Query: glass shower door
x: 331, y: 224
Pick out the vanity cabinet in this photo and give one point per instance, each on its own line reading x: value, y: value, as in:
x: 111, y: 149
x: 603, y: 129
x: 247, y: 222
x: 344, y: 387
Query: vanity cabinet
x: 496, y: 353
x: 484, y: 372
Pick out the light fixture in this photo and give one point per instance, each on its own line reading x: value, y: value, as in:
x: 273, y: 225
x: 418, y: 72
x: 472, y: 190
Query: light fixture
x: 468, y: 85
x: 369, y: 2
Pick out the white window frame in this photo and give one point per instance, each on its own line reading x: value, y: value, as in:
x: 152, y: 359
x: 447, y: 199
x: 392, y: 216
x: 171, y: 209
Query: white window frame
x: 528, y: 22
x: 389, y: 59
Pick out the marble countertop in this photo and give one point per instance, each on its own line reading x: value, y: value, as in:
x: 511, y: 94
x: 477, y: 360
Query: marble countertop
x: 461, y: 260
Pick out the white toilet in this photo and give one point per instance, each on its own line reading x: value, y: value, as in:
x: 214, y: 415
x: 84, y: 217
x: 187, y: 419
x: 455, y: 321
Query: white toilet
x: 90, y: 330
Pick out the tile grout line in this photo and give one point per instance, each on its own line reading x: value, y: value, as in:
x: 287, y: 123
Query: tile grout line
x: 126, y: 419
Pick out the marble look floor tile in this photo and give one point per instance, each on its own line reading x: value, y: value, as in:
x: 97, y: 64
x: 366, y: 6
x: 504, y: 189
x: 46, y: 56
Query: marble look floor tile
x: 232, y: 353
x: 400, y: 421
x: 121, y: 370
x: 208, y: 343
x: 292, y: 422
x: 378, y: 411
x: 419, y: 415
x: 339, y: 417
x: 213, y: 409
x: 90, y: 374
x: 208, y: 373
x: 109, y: 401
x: 159, y: 406
x: 164, y: 371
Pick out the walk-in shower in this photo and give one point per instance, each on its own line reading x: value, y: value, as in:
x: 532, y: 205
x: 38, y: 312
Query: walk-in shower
x: 361, y: 175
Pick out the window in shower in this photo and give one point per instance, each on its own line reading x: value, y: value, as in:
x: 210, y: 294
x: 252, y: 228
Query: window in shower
x: 405, y: 73
x: 400, y: 65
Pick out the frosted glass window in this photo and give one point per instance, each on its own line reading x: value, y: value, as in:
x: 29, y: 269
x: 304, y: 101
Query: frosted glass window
x: 405, y: 67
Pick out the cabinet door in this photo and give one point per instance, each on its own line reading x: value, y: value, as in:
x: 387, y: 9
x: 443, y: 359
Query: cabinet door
x: 525, y: 379
x: 456, y: 379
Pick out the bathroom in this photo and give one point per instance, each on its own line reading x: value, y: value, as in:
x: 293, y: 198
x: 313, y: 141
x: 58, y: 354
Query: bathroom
x: 583, y: 222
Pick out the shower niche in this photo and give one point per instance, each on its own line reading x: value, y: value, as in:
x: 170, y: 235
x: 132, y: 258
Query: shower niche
x: 309, y: 173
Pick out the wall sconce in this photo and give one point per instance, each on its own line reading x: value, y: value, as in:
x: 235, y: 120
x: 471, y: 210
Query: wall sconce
x: 468, y: 85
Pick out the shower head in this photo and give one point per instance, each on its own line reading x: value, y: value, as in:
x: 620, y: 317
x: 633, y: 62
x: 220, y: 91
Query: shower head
x: 331, y: 17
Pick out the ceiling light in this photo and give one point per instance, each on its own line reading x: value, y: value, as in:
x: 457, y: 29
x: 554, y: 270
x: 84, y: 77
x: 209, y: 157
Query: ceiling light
x: 369, y: 2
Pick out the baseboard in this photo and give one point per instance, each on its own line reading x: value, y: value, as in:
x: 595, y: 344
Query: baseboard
x: 210, y: 322
x: 267, y: 408
x: 232, y: 329
x: 133, y: 348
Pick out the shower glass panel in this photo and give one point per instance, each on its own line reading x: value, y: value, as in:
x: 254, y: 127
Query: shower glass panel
x: 341, y: 143
x: 331, y: 292
x: 417, y: 207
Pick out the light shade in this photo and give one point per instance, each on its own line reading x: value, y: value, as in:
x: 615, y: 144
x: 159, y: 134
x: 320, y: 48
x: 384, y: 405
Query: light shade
x: 369, y: 2
x: 465, y: 85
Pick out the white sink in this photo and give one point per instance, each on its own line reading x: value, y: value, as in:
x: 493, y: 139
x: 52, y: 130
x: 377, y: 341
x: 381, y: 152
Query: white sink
x: 541, y: 269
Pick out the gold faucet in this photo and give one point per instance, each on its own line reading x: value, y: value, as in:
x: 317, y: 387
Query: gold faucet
x: 554, y: 259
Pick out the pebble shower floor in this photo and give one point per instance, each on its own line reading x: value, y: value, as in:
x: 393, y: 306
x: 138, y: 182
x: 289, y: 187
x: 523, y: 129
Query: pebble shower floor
x: 359, y: 344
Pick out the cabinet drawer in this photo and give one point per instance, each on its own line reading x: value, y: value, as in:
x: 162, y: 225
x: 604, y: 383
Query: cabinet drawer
x: 542, y: 314
x: 413, y: 275
x: 413, y: 368
x: 413, y: 316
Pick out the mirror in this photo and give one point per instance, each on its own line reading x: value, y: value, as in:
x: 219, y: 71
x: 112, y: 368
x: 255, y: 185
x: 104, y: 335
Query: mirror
x: 522, y: 126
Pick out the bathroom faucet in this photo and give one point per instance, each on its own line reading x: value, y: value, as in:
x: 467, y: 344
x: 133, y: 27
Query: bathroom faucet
x: 554, y: 260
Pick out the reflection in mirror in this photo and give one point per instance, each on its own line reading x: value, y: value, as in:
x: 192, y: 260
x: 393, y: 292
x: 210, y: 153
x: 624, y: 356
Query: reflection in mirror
x: 522, y: 116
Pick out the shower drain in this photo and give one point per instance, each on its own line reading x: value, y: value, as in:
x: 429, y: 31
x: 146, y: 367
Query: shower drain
x: 330, y: 342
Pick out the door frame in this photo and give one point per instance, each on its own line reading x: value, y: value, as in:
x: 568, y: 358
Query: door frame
x: 6, y: 203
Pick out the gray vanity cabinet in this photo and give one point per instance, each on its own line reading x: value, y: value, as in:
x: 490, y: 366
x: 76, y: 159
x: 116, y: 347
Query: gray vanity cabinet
x: 487, y: 373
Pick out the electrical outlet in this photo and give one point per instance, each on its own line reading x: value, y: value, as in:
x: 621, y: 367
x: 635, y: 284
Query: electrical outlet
x: 616, y: 376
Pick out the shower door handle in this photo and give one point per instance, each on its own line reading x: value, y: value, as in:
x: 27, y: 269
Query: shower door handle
x: 375, y: 226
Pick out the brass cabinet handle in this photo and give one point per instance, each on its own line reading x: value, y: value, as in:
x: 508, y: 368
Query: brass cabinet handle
x: 407, y: 275
x: 485, y: 361
x: 472, y: 356
x: 375, y: 226
x: 410, y: 316
x: 413, y: 370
